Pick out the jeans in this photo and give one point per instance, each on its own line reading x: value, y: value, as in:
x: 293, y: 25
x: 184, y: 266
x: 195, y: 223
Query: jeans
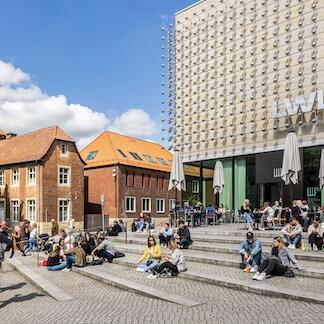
x: 60, y: 266
x: 184, y: 242
x: 254, y: 261
x: 145, y: 267
x: 293, y: 240
x: 140, y: 225
x: 273, y: 266
x: 32, y: 243
x: 248, y: 218
x: 306, y: 222
x: 165, y: 239
x: 70, y: 259
x: 105, y: 255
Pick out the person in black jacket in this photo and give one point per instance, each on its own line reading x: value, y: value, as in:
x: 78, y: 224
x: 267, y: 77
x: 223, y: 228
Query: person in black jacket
x: 185, y: 238
x: 115, y: 230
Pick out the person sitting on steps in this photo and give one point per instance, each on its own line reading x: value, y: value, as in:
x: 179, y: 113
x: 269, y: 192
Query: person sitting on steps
x: 251, y: 252
x: 77, y: 256
x: 174, y: 263
x: 279, y: 263
x: 151, y: 257
x: 184, y: 233
x: 105, y: 249
x: 292, y: 233
x: 165, y: 234
x: 315, y: 235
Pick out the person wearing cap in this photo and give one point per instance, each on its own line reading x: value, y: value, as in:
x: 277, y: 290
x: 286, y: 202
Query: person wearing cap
x: 251, y: 252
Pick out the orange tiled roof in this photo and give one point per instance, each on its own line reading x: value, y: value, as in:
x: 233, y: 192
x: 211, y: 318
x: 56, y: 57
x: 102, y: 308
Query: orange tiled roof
x: 108, y: 143
x: 31, y: 146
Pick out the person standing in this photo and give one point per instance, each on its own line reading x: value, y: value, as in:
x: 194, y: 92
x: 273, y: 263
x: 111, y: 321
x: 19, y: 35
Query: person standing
x: 247, y: 214
x: 32, y: 241
x: 24, y: 235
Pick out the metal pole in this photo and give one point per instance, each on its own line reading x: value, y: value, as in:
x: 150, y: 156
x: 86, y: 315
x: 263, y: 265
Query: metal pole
x: 126, y: 232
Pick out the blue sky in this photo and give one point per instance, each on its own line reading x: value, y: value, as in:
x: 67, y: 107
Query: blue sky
x: 102, y: 54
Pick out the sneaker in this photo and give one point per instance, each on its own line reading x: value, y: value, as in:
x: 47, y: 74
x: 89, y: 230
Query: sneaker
x: 290, y: 246
x: 293, y: 247
x: 66, y: 270
x: 262, y: 276
x: 247, y: 269
x: 139, y: 270
x: 254, y: 269
x: 152, y: 276
x: 315, y: 248
x: 256, y: 275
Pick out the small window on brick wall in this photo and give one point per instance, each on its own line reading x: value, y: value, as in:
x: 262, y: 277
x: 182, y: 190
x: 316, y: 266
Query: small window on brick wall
x: 130, y: 179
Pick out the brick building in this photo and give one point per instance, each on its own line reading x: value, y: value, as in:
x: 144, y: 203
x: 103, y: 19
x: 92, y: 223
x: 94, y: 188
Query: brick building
x: 41, y: 177
x: 131, y: 174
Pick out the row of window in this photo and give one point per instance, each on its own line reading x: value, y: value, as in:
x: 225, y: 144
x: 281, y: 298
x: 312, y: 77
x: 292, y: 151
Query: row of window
x: 31, y: 211
x: 146, y: 180
x: 64, y: 177
x: 146, y: 205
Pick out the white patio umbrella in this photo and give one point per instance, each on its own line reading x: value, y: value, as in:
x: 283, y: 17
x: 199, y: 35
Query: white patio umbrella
x: 177, y: 177
x: 321, y: 170
x: 291, y: 160
x: 218, y: 179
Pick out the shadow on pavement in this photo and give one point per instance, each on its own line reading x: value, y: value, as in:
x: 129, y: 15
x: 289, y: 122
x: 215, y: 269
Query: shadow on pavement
x: 19, y: 298
x: 12, y: 287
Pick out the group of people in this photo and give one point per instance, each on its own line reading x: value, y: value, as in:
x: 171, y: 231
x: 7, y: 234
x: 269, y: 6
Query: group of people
x: 166, y: 234
x: 143, y: 222
x: 279, y: 262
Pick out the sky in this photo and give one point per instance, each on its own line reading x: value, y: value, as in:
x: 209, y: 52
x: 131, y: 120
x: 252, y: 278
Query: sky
x: 86, y: 65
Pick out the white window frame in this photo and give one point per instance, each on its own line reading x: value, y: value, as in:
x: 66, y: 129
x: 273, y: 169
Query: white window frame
x: 12, y: 178
x: 150, y: 205
x: 161, y: 211
x: 172, y: 203
x: 28, y: 178
x: 31, y: 219
x: 195, y: 186
x: 130, y: 210
x: 2, y: 178
x: 68, y: 184
x: 66, y: 153
x: 62, y: 220
x: 14, y: 217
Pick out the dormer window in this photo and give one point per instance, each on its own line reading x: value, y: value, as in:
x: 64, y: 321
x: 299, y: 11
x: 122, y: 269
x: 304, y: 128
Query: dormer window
x: 64, y: 149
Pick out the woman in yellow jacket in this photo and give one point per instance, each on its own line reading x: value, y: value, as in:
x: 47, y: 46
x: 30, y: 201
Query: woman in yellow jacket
x: 151, y: 257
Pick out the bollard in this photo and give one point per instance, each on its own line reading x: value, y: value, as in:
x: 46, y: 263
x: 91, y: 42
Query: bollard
x: 126, y: 232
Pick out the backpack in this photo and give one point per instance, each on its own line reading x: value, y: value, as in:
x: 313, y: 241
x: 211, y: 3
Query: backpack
x: 166, y: 273
x: 289, y: 273
x: 96, y: 262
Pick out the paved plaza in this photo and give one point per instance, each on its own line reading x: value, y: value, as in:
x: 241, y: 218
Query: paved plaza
x: 98, y: 302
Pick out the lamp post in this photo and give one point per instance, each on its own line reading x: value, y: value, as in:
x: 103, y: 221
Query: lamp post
x: 114, y: 175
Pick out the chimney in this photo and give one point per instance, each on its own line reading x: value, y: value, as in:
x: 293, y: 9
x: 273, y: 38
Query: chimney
x: 2, y: 134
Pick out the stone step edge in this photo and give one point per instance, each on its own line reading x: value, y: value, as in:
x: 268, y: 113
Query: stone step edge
x: 309, y: 272
x: 206, y: 248
x: 40, y: 282
x: 254, y: 287
x: 126, y: 284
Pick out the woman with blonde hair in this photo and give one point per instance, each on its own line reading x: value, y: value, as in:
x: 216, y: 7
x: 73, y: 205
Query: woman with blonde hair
x: 151, y: 257
x: 279, y: 264
x: 32, y: 242
x: 246, y: 212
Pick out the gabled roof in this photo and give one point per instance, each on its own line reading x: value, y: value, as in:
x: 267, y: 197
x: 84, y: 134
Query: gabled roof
x: 105, y: 151
x: 31, y: 146
x: 110, y: 147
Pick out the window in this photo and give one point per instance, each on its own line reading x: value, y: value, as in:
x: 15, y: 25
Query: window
x: 195, y: 186
x: 63, y: 210
x: 15, y: 211
x: 135, y: 156
x: 31, y: 176
x: 122, y: 153
x: 64, y: 176
x: 64, y: 149
x: 15, y: 177
x: 130, y: 179
x: 146, y: 179
x: 130, y: 204
x: 91, y: 155
x: 31, y: 210
x: 146, y: 205
x: 162, y: 161
x: 149, y: 158
x: 172, y: 204
x: 2, y: 178
x: 160, y: 181
x: 160, y: 205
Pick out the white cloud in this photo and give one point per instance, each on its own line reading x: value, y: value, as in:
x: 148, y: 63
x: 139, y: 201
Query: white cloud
x: 24, y: 107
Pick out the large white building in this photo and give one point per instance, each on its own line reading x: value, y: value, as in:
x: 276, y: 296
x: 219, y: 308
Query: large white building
x: 246, y: 73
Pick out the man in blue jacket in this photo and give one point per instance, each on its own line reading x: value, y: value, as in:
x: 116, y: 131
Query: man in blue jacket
x: 251, y: 253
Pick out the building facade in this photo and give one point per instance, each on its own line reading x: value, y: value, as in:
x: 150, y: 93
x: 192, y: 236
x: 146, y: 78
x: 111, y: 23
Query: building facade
x: 41, y: 177
x: 246, y: 72
x: 124, y: 177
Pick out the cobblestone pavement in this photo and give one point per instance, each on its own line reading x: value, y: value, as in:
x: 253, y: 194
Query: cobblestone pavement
x: 96, y: 302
